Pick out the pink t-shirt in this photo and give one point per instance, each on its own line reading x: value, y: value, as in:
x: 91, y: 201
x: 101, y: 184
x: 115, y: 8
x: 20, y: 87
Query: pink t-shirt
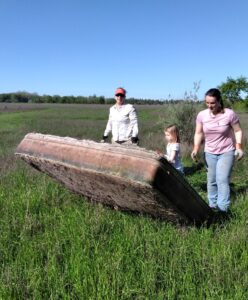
x: 219, y: 135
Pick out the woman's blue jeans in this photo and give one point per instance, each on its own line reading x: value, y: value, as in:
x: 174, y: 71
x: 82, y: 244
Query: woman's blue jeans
x: 219, y: 168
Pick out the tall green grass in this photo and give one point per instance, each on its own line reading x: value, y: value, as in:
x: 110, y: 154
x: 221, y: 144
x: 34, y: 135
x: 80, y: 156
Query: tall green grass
x: 57, y: 245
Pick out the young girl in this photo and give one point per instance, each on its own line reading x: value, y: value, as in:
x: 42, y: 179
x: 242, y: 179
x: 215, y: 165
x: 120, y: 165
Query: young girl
x: 173, y: 147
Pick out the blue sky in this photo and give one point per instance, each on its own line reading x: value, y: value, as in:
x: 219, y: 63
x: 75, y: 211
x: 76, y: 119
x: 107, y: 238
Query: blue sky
x: 154, y: 48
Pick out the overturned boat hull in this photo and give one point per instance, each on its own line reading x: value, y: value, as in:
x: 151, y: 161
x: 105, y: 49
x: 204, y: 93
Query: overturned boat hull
x: 125, y: 177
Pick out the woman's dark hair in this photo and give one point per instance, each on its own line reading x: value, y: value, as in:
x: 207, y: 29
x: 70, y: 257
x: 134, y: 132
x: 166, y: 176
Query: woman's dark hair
x: 217, y: 95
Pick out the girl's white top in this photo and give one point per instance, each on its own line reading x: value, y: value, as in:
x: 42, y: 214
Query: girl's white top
x: 177, y: 161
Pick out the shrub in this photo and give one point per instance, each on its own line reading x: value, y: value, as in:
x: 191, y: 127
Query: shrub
x: 183, y: 113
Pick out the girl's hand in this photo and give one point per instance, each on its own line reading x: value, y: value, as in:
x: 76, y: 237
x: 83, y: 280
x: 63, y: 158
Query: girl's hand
x: 170, y: 160
x: 167, y: 158
x: 159, y: 152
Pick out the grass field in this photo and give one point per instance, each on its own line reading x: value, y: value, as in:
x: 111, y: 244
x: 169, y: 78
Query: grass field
x: 56, y: 245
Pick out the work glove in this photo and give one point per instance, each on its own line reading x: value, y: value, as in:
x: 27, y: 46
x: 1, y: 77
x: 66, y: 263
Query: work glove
x: 239, y: 153
x: 104, y: 139
x: 134, y: 139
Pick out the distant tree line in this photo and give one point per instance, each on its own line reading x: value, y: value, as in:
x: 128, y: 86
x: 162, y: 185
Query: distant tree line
x: 233, y: 90
x: 25, y: 97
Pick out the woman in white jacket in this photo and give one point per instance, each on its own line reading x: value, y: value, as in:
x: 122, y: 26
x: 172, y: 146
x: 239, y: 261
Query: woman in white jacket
x: 122, y: 122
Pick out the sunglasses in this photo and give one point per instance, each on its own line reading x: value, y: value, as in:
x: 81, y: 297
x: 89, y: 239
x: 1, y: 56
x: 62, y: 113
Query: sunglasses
x: 120, y: 95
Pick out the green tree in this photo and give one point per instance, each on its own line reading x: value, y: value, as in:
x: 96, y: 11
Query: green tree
x: 234, y: 89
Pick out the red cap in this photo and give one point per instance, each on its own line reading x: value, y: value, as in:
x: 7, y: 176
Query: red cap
x: 120, y: 91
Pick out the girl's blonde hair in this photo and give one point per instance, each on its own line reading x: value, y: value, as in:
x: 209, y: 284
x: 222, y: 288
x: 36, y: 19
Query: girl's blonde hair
x: 173, y: 130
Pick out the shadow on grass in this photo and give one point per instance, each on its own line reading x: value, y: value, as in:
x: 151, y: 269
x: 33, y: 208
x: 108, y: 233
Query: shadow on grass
x: 194, y: 168
x: 220, y: 219
x: 237, y: 189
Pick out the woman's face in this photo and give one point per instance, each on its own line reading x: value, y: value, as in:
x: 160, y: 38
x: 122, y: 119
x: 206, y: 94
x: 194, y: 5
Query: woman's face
x: 119, y: 98
x: 212, y: 104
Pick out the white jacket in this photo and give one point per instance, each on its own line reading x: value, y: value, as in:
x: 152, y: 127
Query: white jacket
x: 122, y: 122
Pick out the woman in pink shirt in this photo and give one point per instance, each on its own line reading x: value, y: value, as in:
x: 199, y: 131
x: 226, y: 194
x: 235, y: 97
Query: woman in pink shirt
x: 220, y: 129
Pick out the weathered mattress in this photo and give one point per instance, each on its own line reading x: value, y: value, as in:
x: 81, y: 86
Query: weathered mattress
x: 125, y: 177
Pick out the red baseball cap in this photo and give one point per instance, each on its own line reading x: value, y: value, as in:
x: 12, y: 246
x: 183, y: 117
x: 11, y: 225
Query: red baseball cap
x: 120, y: 91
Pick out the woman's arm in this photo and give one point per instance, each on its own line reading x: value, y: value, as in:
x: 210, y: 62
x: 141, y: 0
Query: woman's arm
x: 133, y: 122
x: 109, y: 126
x: 239, y: 153
x: 237, y: 132
x: 198, y: 138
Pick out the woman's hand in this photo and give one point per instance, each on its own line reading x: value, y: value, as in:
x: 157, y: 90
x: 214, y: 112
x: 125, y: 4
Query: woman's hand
x: 198, y: 138
x: 239, y: 153
x: 194, y: 155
